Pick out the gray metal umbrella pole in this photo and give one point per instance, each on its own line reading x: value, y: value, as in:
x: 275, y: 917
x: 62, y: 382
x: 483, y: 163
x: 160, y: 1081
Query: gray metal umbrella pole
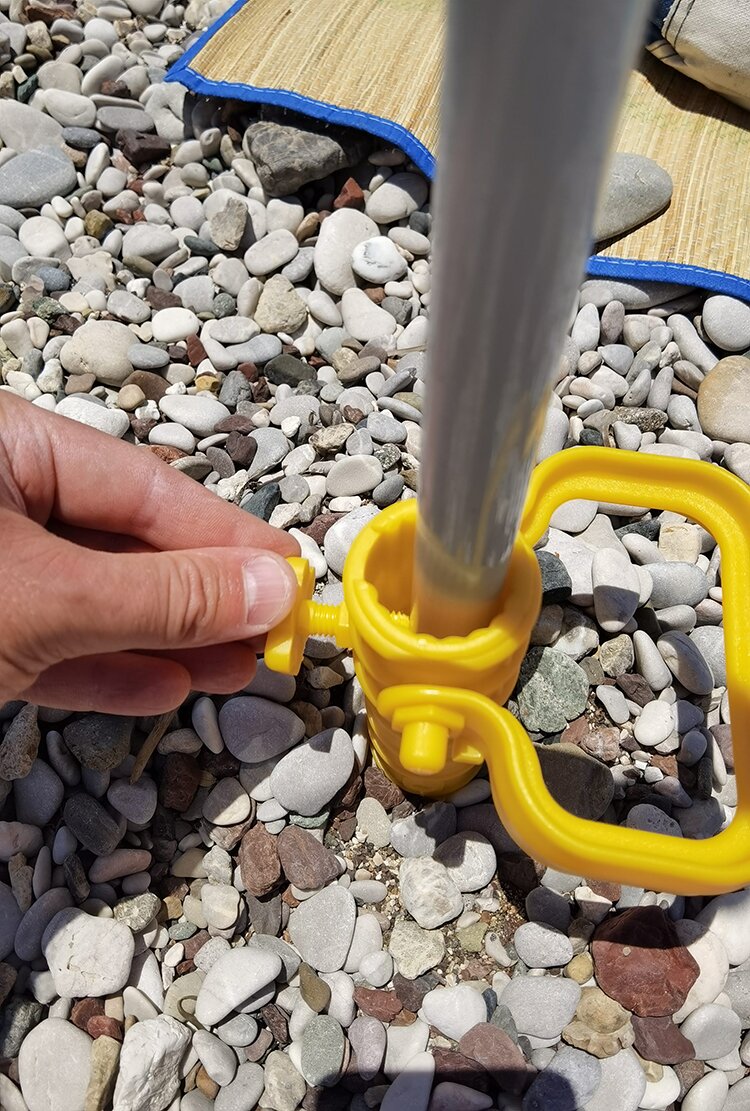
x: 531, y: 94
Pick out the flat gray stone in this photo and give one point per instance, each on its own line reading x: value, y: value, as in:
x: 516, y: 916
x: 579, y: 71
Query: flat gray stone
x: 676, y: 584
x: 422, y: 832
x: 322, y: 1055
x: 256, y: 729
x: 567, y: 1083
x: 307, y: 778
x: 34, y: 177
x: 541, y: 1005
x: 637, y: 188
x: 541, y: 946
x: 322, y: 927
x: 54, y: 1066
x: 714, y: 1031
x: 709, y: 639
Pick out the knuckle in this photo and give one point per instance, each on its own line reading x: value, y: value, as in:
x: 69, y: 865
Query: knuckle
x: 193, y: 600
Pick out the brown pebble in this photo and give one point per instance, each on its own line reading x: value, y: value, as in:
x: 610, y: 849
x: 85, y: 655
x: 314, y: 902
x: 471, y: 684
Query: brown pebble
x: 259, y: 862
x: 378, y: 786
x: 141, y: 426
x: 250, y: 371
x: 166, y: 453
x: 404, y: 1018
x: 453, y: 1067
x: 276, y: 1021
x: 102, y: 1025
x: 162, y: 298
x: 196, y: 352
x: 153, y: 385
x: 260, y: 1046
x: 352, y: 415
x: 351, y: 195
x: 80, y: 383
x: 315, y: 992
x: 241, y: 449
x: 688, y: 1073
x: 318, y: 528
x: 194, y: 944
x: 205, y: 1084
x: 84, y: 1010
x: 384, y: 1005
x: 235, y: 423
x: 306, y: 863
x: 179, y: 781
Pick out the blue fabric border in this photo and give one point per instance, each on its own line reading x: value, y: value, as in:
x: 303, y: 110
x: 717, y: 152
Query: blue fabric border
x: 392, y: 132
x: 599, y: 266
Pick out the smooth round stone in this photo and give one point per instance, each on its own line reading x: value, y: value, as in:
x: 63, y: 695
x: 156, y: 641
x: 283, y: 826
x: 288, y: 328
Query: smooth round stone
x: 378, y: 260
x: 654, y: 725
x: 241, y: 979
x: 173, y: 435
x: 322, y: 1054
x: 454, y: 1010
x: 257, y: 729
x: 552, y: 690
x: 339, y: 235
x: 341, y: 534
x: 87, y: 956
x: 622, y: 1085
x: 200, y: 413
x: 541, y: 1005
x: 469, y: 859
x: 114, y: 422
x: 726, y: 322
x: 54, y: 1066
x: 34, y: 177
x: 428, y: 893
x: 568, y: 1081
x: 636, y: 189
x: 357, y: 474
x: 548, y: 907
x: 613, y: 701
x: 309, y: 776
x: 685, y: 660
x: 150, y: 241
x: 227, y: 804
x: 367, y: 1037
x: 38, y: 795
x: 652, y: 820
x: 649, y: 661
x: 114, y: 118
x: 171, y: 325
x: 676, y: 583
x: 724, y: 400
x: 616, y: 589
x: 42, y: 236
x: 376, y: 969
x: 726, y: 916
x: 367, y: 941
x: 541, y: 946
x: 128, y: 307
x: 273, y: 447
x: 244, y: 1091
x: 737, y: 460
x: 574, y: 516
x: 709, y: 1093
x: 270, y: 253
x: 714, y: 1031
x: 322, y: 927
x: 396, y: 198
x: 28, y: 940
x: 422, y: 832
x: 363, y: 319
x: 69, y: 109
x: 135, y: 801
x: 99, y: 347
x: 709, y: 639
x: 217, y: 1059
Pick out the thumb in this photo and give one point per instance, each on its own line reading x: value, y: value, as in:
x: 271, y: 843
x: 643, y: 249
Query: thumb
x: 106, y: 602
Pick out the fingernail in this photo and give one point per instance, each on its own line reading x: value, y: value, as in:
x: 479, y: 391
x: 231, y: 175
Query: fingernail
x: 268, y: 592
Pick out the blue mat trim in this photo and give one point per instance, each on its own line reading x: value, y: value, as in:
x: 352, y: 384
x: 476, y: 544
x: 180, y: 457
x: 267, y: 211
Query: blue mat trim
x: 599, y: 266
x: 385, y: 129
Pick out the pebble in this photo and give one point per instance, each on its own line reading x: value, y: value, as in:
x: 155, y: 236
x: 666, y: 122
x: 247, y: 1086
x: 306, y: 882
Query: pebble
x: 99, y: 347
x: 322, y: 1054
x: 726, y: 322
x: 239, y: 979
x: 552, y: 690
x: 428, y: 892
x: 453, y: 1010
x: 686, y: 662
x: 113, y: 422
x: 199, y: 414
x: 378, y: 260
x: 724, y: 916
x: 567, y: 1082
x: 469, y: 859
x: 54, y: 1066
x: 87, y: 956
x: 396, y: 198
x: 367, y: 1037
x: 542, y: 946
x: 541, y: 1005
x: 150, y: 1060
x: 307, y: 778
x: 420, y: 834
x: 256, y: 729
x: 723, y: 400
x: 616, y: 589
x: 32, y: 178
x: 322, y: 928
x: 637, y: 189
x: 339, y: 235
x: 415, y: 950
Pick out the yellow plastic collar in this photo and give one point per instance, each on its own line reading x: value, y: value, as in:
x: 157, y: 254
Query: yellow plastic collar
x: 435, y: 705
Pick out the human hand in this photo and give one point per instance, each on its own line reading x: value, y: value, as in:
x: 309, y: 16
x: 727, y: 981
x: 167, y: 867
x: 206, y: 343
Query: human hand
x: 123, y: 583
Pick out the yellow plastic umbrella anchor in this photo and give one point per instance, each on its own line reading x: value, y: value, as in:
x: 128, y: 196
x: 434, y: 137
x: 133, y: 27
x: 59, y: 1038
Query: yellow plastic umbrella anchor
x: 439, y: 604
x: 434, y: 703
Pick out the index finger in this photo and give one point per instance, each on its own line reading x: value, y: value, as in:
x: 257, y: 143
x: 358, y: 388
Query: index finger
x: 104, y: 483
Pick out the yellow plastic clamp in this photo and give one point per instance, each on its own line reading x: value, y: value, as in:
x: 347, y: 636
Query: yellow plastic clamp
x: 434, y: 705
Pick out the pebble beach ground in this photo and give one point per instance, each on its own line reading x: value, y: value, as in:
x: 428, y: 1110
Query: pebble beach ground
x: 262, y: 919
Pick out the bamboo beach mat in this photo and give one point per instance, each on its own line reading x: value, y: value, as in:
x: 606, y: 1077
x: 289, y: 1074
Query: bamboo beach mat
x: 377, y: 65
